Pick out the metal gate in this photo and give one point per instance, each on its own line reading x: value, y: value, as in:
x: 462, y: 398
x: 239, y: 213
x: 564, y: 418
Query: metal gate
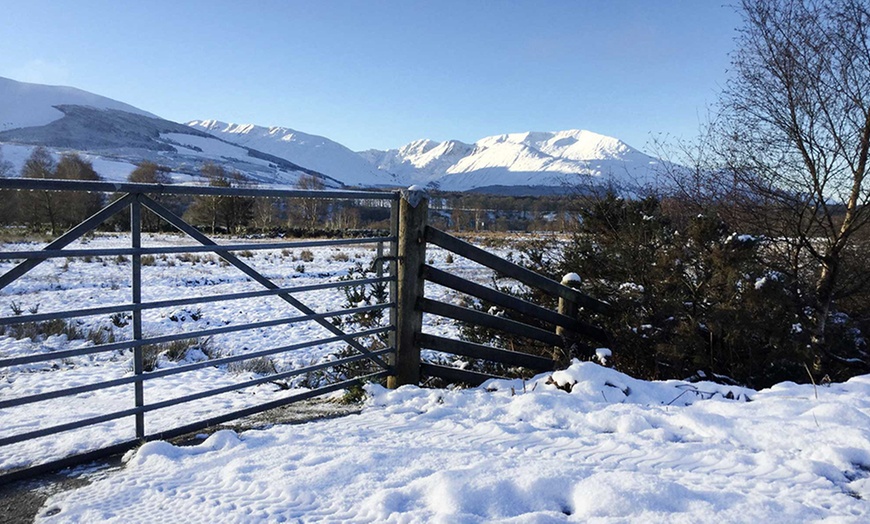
x: 400, y: 270
x: 134, y: 405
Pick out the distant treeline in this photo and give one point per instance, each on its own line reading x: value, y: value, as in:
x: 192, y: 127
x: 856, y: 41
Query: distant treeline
x: 701, y: 284
x: 55, y: 211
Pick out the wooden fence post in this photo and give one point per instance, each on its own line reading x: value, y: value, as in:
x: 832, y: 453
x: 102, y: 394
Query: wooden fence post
x: 413, y: 210
x: 569, y: 308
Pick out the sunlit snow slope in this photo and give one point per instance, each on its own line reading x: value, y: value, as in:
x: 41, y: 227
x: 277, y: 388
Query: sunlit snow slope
x: 28, y: 105
x: 314, y: 152
x: 110, y: 133
x: 574, y: 157
x: 67, y: 119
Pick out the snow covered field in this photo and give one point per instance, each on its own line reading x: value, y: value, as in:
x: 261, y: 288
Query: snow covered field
x: 586, y: 444
x: 614, y: 449
x: 79, y: 283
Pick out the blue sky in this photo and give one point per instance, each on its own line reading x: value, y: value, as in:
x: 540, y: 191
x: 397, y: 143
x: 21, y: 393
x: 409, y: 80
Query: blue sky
x: 380, y: 74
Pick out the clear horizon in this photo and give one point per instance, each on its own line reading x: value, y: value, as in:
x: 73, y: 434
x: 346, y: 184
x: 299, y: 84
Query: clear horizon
x: 384, y: 74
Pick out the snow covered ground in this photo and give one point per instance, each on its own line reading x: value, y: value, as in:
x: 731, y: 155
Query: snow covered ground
x: 60, y: 284
x: 586, y: 444
x: 614, y: 449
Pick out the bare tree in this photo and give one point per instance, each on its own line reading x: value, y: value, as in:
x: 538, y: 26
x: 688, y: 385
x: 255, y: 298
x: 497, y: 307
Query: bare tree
x: 794, y: 132
x: 5, y: 167
x: 40, y: 205
x: 264, y: 213
x: 308, y: 211
x: 79, y: 205
x: 59, y: 209
x: 232, y: 213
x: 151, y: 173
x: 9, y: 208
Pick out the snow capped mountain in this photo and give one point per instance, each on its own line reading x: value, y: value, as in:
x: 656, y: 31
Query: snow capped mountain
x: 314, y: 152
x: 119, y: 135
x: 569, y: 157
x: 30, y: 105
x: 116, y: 135
x: 420, y: 162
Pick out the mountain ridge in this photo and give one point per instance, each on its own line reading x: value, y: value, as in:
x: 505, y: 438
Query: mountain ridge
x: 72, y: 120
x: 113, y: 133
x: 557, y: 158
x: 312, y: 151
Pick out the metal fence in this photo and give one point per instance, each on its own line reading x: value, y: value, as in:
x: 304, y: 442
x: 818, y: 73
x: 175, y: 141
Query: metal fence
x: 135, y: 198
x: 401, y: 267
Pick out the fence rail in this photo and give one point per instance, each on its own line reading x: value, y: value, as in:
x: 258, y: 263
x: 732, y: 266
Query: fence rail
x: 509, y: 269
x: 565, y: 339
x: 35, y: 184
x: 133, y: 198
x: 398, y: 360
x: 44, y: 254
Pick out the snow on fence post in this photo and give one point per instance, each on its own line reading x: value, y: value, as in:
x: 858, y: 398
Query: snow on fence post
x: 569, y: 308
x: 413, y: 210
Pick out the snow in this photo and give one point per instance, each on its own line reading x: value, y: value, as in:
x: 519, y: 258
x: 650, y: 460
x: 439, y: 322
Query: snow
x: 34, y: 103
x: 582, y: 444
x: 630, y: 288
x: 310, y: 151
x: 614, y: 449
x: 571, y: 278
x: 103, y: 281
x: 573, y: 157
x: 205, y: 147
x: 534, y: 158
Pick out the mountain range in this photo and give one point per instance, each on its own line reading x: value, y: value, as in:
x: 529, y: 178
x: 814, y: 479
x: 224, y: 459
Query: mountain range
x: 115, y: 136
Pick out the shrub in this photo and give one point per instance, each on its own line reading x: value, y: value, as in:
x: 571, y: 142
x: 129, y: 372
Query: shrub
x: 256, y: 365
x: 101, y: 335
x: 36, y: 331
x: 192, y: 258
x: 687, y: 295
x: 174, y: 351
x: 121, y: 319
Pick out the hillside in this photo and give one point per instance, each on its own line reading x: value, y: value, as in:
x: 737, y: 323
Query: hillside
x: 108, y: 132
x: 29, y: 105
x: 314, y: 152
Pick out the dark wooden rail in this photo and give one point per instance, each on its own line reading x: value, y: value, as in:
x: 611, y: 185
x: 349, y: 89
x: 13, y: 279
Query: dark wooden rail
x: 509, y: 269
x: 565, y: 336
x: 517, y: 304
